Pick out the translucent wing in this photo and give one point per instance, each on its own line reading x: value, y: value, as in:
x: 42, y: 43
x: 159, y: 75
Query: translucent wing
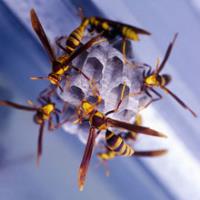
x: 37, y: 26
x: 86, y: 158
x: 133, y: 127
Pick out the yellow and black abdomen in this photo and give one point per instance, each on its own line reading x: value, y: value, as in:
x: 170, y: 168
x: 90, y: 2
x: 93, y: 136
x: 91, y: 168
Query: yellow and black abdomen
x: 74, y: 40
x: 165, y: 79
x: 114, y: 28
x: 76, y: 36
x: 108, y: 155
x: 102, y: 25
x: 117, y: 144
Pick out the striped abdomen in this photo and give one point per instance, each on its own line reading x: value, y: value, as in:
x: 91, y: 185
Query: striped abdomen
x: 74, y: 39
x: 116, y: 143
x: 165, y: 79
x: 114, y: 28
x: 108, y: 155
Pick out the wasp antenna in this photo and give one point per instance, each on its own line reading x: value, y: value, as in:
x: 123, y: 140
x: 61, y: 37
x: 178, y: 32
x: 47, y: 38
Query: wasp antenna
x: 179, y: 101
x: 40, y: 141
x: 167, y: 54
x: 38, y: 78
x: 17, y: 106
x: 81, y: 12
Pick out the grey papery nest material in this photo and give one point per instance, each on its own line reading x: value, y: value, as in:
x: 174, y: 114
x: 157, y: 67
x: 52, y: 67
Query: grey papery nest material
x: 104, y: 64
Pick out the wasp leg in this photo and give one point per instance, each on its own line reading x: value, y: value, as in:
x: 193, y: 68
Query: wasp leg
x: 159, y: 96
x: 51, y: 126
x: 104, y: 163
x: 58, y: 43
x: 120, y: 101
x: 124, y: 42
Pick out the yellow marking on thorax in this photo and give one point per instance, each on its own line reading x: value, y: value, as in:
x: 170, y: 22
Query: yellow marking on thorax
x: 152, y: 80
x: 61, y: 71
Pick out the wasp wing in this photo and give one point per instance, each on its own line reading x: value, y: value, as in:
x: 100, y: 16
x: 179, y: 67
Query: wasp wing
x: 37, y: 26
x: 86, y: 158
x: 133, y: 127
x: 40, y: 142
x: 152, y: 153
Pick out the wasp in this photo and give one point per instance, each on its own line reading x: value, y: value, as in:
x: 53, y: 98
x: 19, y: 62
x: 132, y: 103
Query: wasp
x: 60, y: 65
x: 153, y: 79
x: 43, y: 113
x: 112, y: 29
x: 116, y: 146
x: 109, y: 154
x: 100, y: 122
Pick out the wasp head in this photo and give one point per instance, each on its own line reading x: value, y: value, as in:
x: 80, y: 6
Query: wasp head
x: 152, y: 80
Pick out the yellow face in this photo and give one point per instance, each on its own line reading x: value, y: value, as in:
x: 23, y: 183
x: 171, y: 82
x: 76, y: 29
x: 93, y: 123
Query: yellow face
x: 47, y: 110
x: 87, y: 107
x: 151, y: 80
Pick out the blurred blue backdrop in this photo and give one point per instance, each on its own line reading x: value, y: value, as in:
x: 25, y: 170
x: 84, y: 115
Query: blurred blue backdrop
x: 175, y: 176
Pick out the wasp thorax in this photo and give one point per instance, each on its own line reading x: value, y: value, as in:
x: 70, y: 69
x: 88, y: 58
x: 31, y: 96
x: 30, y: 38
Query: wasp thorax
x: 87, y: 107
x: 98, y: 120
x: 48, y: 109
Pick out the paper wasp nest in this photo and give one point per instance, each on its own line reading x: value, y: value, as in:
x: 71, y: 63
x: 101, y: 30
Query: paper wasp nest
x: 104, y: 64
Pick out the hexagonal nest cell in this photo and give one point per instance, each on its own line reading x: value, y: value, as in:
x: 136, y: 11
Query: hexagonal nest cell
x: 104, y: 63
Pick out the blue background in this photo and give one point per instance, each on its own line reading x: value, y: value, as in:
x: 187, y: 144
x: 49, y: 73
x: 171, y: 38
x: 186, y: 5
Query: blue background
x: 56, y: 178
